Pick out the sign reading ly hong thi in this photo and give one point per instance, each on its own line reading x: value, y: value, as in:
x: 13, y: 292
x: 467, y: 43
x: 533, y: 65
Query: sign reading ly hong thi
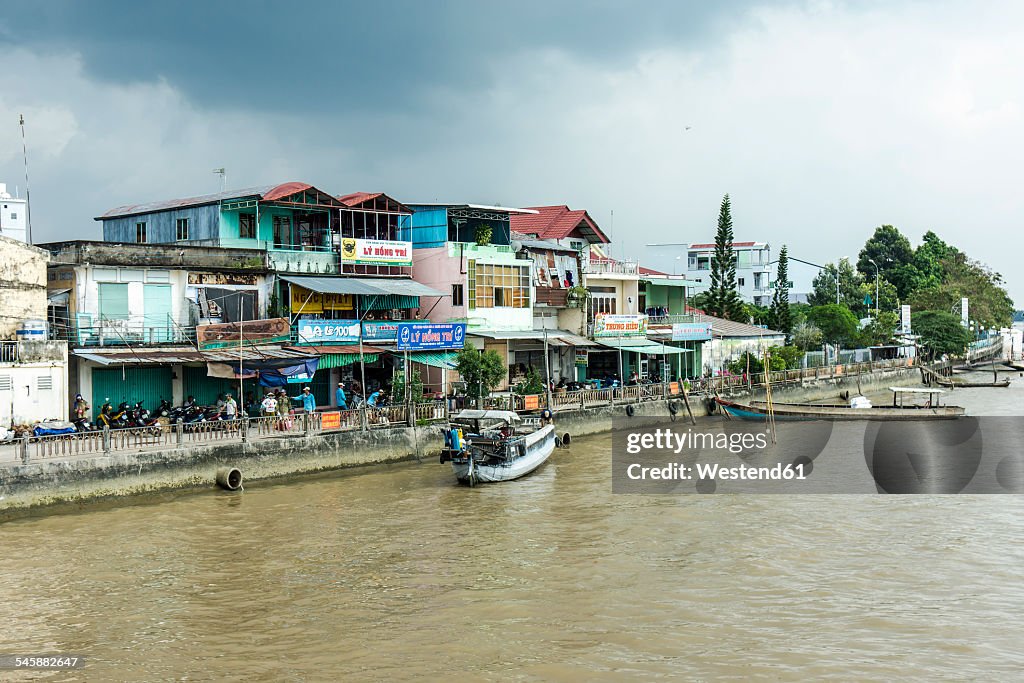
x: 427, y: 336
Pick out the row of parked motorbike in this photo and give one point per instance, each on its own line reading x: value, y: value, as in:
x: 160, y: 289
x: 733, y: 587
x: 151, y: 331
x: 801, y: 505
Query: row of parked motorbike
x: 137, y: 416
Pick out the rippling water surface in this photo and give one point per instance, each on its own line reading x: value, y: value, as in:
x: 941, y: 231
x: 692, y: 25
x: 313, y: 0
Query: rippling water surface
x: 398, y: 574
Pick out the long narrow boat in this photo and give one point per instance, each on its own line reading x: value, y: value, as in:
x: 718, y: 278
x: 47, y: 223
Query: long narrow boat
x: 967, y: 384
x: 492, y: 445
x: 1014, y: 365
x: 931, y: 410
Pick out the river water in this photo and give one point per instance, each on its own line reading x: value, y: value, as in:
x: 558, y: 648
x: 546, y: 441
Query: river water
x: 398, y: 574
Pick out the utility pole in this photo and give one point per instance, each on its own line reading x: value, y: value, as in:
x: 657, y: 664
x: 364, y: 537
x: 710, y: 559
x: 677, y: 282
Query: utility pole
x: 28, y: 194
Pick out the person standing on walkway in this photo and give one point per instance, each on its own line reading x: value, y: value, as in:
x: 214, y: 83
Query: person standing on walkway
x: 339, y: 397
x: 269, y: 405
x: 284, y: 405
x: 230, y: 407
x: 81, y: 407
x: 308, y: 400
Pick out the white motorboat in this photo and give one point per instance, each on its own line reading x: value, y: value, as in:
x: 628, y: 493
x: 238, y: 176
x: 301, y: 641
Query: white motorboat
x: 495, y: 445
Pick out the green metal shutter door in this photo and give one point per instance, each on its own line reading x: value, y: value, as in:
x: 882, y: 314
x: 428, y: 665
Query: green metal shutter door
x: 148, y: 385
x: 205, y: 390
x: 114, y: 301
x: 157, y: 312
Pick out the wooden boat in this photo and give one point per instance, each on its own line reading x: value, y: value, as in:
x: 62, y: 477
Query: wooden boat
x: 494, y: 445
x: 899, y: 410
x: 1015, y: 365
x: 968, y: 384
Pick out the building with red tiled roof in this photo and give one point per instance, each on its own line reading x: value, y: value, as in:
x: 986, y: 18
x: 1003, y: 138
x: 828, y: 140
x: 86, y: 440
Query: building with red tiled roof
x: 559, y: 223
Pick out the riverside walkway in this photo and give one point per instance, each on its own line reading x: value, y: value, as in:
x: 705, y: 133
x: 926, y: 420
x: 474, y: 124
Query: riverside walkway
x: 179, y: 436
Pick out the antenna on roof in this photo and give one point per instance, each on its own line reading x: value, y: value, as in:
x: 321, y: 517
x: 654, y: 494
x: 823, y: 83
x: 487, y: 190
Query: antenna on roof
x: 223, y: 173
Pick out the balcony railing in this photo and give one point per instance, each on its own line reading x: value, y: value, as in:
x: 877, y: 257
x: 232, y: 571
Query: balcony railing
x: 597, y: 267
x: 672, y: 318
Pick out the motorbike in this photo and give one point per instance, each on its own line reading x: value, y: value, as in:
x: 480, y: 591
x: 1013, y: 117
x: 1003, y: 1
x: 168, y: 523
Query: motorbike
x: 164, y: 409
x: 114, y: 419
x: 83, y: 425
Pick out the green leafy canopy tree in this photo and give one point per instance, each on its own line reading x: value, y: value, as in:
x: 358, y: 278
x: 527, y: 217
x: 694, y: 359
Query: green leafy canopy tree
x: 837, y: 324
x: 891, y: 251
x: 779, y: 317
x: 723, y: 299
x: 481, y: 371
x: 941, y: 333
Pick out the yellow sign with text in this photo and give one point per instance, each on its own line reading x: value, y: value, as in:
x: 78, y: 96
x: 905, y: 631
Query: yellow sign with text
x: 305, y: 301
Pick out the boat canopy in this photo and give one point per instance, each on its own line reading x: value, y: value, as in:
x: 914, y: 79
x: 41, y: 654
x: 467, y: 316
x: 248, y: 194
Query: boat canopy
x: 504, y: 415
x: 915, y: 390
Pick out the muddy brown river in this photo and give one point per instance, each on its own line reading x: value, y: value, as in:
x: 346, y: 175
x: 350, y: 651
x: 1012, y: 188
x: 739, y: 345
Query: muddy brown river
x: 398, y: 574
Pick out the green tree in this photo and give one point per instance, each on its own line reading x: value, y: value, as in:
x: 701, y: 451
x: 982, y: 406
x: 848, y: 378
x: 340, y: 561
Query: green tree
x: 779, y: 317
x: 754, y: 314
x: 415, y: 388
x: 792, y: 357
x: 891, y: 250
x: 532, y: 384
x: 837, y: 324
x: 928, y: 258
x: 806, y: 335
x: 880, y: 330
x: 941, y: 333
x: 824, y: 286
x: 481, y: 371
x: 723, y: 299
x: 990, y: 305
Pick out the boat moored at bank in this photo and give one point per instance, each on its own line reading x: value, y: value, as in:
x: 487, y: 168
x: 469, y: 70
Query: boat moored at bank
x: 495, y: 445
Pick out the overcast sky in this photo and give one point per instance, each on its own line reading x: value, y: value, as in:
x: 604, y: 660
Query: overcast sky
x: 821, y: 119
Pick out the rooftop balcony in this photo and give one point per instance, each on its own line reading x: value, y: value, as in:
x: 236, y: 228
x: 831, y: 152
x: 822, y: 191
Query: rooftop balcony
x: 605, y: 267
x: 33, y: 351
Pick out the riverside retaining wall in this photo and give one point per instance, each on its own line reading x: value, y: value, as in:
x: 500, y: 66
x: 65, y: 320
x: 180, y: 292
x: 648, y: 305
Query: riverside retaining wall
x: 48, y: 485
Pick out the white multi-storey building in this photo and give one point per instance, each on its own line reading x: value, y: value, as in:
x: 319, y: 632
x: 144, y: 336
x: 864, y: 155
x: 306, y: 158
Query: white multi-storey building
x: 753, y: 269
x: 13, y: 215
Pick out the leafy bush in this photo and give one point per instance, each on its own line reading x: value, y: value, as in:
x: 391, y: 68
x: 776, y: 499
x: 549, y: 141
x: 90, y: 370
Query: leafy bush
x: 533, y: 384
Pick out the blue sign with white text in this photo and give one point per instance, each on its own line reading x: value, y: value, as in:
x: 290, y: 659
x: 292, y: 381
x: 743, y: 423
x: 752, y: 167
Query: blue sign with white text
x: 427, y: 336
x: 384, y: 330
x: 328, y: 331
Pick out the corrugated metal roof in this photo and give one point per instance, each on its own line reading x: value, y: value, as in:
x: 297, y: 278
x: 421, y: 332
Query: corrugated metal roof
x: 734, y: 244
x: 647, y: 346
x: 359, y: 285
x: 357, y: 198
x: 437, y: 359
x: 187, y: 355
x: 532, y: 243
x: 720, y: 327
x: 267, y: 193
x: 337, y: 348
x: 134, y: 209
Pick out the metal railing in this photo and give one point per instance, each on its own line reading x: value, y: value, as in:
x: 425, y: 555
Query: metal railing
x: 183, y: 435
x: 598, y: 267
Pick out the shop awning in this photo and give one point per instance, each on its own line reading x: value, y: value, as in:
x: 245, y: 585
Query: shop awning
x: 644, y: 346
x: 361, y: 285
x: 340, y: 355
x: 338, y: 360
x: 176, y: 356
x: 554, y: 336
x: 437, y: 359
x: 58, y: 297
x: 574, y: 339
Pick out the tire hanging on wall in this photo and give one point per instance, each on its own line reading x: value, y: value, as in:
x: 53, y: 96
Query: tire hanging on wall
x: 630, y: 410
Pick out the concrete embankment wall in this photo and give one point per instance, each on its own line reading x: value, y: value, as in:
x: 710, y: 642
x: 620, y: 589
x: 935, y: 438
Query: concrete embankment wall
x: 42, y: 486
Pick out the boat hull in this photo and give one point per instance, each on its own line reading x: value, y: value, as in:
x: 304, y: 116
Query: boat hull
x: 539, y: 448
x: 759, y: 411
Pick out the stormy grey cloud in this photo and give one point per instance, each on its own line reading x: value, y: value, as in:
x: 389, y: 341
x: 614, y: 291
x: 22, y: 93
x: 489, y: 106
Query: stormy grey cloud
x: 821, y: 119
